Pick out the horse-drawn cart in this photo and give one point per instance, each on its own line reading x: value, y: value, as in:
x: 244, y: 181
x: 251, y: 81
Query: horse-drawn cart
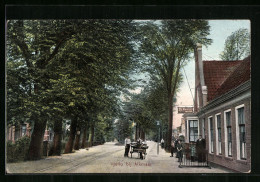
x: 139, y: 148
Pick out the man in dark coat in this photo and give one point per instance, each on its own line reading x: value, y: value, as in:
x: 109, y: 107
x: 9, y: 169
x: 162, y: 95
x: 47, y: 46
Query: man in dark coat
x: 175, y: 147
x: 200, y: 149
x: 172, y: 147
x: 139, y: 146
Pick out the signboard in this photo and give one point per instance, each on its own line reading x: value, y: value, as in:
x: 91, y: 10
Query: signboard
x: 185, y: 109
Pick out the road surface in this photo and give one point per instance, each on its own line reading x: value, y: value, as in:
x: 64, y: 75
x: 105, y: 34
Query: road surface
x: 108, y: 158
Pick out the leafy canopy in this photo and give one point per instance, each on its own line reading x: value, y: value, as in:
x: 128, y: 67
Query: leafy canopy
x: 237, y: 46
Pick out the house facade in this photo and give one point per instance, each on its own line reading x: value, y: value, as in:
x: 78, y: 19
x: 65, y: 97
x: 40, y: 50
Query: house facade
x: 16, y: 132
x: 222, y: 111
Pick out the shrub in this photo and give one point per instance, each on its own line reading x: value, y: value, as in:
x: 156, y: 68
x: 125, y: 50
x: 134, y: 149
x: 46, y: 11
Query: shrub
x: 18, y: 150
x: 10, y: 151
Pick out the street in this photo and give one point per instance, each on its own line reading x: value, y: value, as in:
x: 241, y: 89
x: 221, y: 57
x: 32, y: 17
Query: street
x: 107, y: 158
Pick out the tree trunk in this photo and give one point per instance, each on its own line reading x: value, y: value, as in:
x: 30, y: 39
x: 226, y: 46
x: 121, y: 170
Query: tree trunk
x: 91, y: 136
x: 77, y: 144
x: 136, y: 132
x: 35, y: 148
x: 69, y: 144
x: 166, y: 145
x: 56, y: 147
x: 142, y: 134
x: 170, y: 108
x: 85, y: 137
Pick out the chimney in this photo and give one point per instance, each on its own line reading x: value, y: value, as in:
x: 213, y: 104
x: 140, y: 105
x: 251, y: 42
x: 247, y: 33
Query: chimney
x: 201, y: 88
x: 199, y: 52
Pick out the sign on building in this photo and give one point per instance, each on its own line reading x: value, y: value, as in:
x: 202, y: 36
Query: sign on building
x: 185, y: 109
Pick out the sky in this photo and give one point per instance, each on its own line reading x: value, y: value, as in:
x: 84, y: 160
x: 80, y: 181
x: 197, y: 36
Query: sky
x: 219, y: 31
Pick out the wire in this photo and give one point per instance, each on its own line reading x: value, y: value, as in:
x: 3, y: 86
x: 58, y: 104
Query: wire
x: 204, y: 58
x: 209, y: 56
x: 188, y: 84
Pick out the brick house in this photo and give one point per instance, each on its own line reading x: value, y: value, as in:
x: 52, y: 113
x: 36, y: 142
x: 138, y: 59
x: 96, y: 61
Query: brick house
x: 222, y: 111
x: 16, y: 132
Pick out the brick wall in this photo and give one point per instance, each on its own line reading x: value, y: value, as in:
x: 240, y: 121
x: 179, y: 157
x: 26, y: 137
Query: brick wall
x: 15, y: 132
x: 230, y: 162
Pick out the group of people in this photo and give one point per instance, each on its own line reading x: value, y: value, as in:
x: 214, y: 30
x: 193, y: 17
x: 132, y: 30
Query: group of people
x: 139, y: 143
x: 198, y: 153
x: 177, y: 147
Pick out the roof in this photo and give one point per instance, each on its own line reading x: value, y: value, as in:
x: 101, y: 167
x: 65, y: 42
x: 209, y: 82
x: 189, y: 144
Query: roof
x: 216, y: 73
x: 240, y: 75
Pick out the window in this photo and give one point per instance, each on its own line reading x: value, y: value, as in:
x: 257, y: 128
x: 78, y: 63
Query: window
x: 23, y: 129
x: 17, y: 133
x: 193, y: 128
x: 211, y: 137
x: 242, y: 132
x: 218, y: 134
x: 228, y: 134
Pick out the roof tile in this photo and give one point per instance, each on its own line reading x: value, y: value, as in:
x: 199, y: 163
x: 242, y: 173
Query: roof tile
x: 240, y: 75
x: 215, y: 74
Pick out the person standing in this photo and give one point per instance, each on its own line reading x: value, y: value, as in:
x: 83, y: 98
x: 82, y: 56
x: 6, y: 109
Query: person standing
x: 179, y: 151
x: 200, y: 149
x: 175, y: 147
x: 139, y: 146
x: 127, y: 146
x: 162, y: 143
x: 172, y: 147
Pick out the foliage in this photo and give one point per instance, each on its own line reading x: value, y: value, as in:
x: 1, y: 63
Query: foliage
x: 18, y: 150
x: 68, y: 69
x: 123, y: 129
x: 165, y: 48
x: 147, y: 108
x: 103, y: 129
x: 237, y: 45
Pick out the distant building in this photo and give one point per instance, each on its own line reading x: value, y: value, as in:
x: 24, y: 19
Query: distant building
x: 16, y: 132
x: 48, y: 134
x: 222, y: 111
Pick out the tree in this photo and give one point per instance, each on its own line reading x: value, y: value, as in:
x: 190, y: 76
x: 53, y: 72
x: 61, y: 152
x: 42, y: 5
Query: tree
x: 156, y: 104
x: 237, y: 45
x: 123, y: 129
x: 36, y: 43
x: 71, y: 67
x: 165, y: 48
x: 95, y: 65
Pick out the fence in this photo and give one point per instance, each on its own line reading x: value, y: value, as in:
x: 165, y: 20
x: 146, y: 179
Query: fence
x: 194, y: 156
